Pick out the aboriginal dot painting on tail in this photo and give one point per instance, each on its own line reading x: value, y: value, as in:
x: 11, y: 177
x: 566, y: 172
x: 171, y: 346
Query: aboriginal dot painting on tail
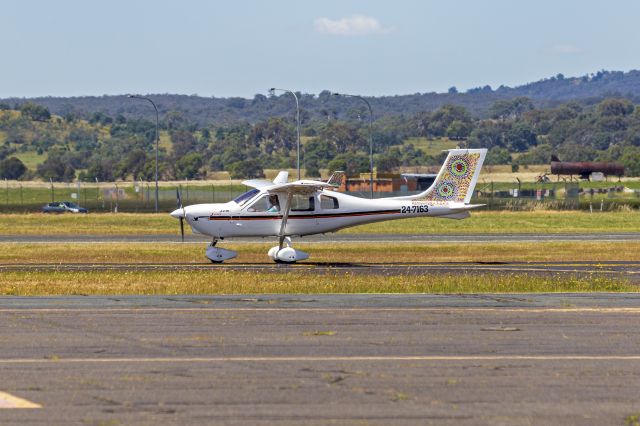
x: 454, y: 179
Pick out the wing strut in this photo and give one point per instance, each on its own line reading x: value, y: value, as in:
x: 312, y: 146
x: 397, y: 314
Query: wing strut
x: 285, y: 216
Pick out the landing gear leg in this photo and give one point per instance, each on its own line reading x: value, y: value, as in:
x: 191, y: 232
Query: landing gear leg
x: 283, y: 252
x: 217, y: 254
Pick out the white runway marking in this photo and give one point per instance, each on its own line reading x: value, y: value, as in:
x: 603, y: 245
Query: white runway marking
x: 212, y: 308
x: 434, y: 358
x: 10, y: 401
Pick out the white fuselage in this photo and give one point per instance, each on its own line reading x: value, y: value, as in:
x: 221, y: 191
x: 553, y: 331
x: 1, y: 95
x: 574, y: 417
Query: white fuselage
x: 237, y: 220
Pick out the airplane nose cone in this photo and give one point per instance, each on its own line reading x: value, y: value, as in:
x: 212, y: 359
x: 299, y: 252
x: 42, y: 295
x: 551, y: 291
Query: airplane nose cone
x: 177, y: 213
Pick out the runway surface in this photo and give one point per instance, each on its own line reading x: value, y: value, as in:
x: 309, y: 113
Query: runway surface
x: 341, y: 359
x: 607, y: 269
x: 332, y: 238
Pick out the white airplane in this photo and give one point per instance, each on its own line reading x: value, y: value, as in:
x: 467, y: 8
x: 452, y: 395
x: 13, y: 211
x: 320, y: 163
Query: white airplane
x: 286, y: 209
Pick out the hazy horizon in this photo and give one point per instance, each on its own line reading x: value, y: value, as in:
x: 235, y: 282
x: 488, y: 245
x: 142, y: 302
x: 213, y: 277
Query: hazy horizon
x: 461, y: 91
x: 72, y: 48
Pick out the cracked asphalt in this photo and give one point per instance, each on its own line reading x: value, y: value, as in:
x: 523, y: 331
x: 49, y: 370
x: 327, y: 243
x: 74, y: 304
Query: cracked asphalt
x: 338, y: 359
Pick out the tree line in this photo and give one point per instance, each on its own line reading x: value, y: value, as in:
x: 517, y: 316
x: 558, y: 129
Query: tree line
x: 108, y: 148
x: 207, y: 111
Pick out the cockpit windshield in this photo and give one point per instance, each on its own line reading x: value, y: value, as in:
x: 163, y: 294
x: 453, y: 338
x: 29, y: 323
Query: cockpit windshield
x: 246, y: 196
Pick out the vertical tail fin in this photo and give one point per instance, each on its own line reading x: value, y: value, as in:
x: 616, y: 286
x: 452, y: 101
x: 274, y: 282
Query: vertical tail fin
x: 336, y: 178
x: 282, y: 177
x: 457, y: 177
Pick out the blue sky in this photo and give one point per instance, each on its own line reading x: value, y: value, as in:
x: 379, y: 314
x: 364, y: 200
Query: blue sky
x: 240, y: 48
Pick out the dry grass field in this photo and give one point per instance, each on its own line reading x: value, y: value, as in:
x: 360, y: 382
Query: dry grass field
x: 218, y: 280
x: 300, y: 280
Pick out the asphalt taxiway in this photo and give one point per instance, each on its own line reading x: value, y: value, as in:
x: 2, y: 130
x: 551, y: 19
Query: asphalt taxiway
x: 340, y: 359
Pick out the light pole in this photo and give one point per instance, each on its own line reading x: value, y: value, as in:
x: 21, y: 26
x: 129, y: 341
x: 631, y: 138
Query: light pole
x: 272, y: 91
x: 370, y: 135
x: 157, y: 140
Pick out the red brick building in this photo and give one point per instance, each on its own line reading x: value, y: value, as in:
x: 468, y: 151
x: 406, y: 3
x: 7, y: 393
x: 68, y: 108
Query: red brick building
x: 388, y: 182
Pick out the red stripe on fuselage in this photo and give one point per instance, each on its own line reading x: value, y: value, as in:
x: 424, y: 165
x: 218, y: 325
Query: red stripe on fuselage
x: 300, y: 216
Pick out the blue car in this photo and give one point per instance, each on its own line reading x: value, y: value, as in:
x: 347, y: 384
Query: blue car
x: 63, y: 207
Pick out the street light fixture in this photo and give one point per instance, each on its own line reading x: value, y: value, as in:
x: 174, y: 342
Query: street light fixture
x: 157, y: 140
x: 370, y: 136
x: 272, y: 91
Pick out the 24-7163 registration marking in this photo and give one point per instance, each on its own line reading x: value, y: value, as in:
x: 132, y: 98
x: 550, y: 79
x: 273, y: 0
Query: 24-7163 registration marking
x: 414, y: 209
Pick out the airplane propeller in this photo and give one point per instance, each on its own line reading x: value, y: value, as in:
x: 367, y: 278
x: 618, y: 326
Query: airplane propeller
x: 179, y: 202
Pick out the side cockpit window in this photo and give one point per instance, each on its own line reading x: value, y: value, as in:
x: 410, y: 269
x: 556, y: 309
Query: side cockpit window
x: 328, y: 203
x: 266, y: 203
x: 302, y: 203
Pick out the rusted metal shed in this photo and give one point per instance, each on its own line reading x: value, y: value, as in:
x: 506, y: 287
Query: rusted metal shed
x: 585, y: 168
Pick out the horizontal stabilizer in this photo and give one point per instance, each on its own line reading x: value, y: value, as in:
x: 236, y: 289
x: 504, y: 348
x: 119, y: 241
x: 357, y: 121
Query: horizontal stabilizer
x: 458, y: 216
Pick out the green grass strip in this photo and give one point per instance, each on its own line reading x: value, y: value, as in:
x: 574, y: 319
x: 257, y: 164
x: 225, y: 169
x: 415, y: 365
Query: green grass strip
x: 230, y: 282
x: 494, y: 222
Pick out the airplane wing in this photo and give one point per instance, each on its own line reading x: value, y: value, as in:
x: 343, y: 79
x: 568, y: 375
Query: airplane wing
x: 299, y: 187
x: 264, y: 183
x: 257, y: 183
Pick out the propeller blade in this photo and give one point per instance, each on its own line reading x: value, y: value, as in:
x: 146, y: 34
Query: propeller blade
x: 184, y: 214
x: 178, y: 198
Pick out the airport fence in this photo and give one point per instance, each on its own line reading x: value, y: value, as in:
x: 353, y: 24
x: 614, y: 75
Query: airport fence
x: 105, y: 197
x: 26, y: 197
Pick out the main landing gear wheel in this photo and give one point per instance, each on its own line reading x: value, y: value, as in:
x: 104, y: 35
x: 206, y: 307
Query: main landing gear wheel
x: 286, y: 254
x: 217, y: 254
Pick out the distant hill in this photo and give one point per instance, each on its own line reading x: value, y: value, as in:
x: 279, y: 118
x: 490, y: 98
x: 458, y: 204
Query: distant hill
x: 224, y: 111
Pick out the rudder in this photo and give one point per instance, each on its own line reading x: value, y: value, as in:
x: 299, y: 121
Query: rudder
x: 457, y: 177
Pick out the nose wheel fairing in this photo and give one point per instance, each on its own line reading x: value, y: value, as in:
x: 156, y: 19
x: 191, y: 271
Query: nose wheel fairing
x: 219, y: 255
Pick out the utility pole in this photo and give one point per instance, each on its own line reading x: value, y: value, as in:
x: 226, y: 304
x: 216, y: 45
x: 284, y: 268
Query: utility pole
x: 157, y: 140
x: 272, y: 91
x: 370, y: 136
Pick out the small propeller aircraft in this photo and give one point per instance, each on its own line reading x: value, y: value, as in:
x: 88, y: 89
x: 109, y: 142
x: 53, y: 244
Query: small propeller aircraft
x: 285, y: 209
